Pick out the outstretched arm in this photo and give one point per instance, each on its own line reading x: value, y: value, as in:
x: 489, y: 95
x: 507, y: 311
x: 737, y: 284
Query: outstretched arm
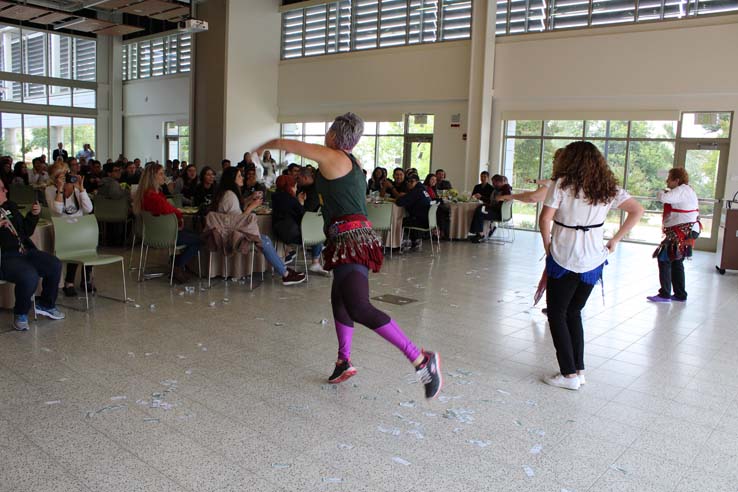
x: 333, y: 163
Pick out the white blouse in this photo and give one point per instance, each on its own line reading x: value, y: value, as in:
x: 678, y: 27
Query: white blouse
x: 75, y: 205
x: 576, y: 250
x: 683, y: 197
x: 229, y: 204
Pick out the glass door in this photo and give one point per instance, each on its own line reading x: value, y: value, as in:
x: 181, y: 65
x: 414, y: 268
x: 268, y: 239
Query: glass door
x: 706, y: 163
x: 418, y: 154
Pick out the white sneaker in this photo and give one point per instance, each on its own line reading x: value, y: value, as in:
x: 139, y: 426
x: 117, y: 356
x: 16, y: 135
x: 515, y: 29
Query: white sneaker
x: 581, y: 379
x: 562, y: 382
x: 317, y: 268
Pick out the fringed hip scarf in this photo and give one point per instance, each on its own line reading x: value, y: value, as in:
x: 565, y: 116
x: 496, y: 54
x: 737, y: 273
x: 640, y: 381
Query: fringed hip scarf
x: 677, y: 244
x: 351, y: 240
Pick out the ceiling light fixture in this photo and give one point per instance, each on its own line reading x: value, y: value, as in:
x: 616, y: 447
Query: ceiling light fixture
x: 70, y: 23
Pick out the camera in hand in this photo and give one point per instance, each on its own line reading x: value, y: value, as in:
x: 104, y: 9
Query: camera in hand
x: 71, y: 178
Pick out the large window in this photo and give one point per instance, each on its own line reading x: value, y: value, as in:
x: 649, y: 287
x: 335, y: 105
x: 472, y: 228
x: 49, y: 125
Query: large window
x: 155, y: 57
x: 640, y: 154
x: 177, y: 141
x: 48, y: 92
x: 39, y: 53
x: 521, y: 16
x: 386, y: 144
x: 25, y: 136
x: 348, y: 25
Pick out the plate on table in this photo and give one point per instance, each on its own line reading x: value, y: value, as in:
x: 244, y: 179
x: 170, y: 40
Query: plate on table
x: 189, y: 210
x: 262, y: 210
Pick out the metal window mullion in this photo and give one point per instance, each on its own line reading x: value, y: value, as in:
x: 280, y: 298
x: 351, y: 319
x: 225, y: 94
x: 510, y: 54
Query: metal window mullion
x: 352, y: 28
x: 663, y: 6
x: 507, y: 17
x: 326, y: 28
x: 304, y: 28
x: 439, y: 21
x: 407, y: 21
x: 589, y: 13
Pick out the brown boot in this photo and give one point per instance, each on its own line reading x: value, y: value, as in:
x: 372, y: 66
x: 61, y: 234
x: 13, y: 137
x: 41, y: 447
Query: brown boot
x: 180, y: 275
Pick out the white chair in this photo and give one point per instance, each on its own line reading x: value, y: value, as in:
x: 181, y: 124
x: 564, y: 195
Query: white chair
x: 380, y: 215
x: 505, y: 225
x: 311, y: 230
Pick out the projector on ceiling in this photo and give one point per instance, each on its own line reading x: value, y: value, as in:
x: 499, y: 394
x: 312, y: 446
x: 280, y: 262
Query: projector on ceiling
x: 192, y: 26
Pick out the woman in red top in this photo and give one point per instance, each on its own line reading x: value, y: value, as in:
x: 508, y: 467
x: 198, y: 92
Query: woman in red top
x: 149, y: 198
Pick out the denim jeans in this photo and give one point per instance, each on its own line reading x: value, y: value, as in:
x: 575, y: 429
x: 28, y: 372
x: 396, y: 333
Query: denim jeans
x: 25, y: 270
x: 192, y: 244
x: 267, y: 248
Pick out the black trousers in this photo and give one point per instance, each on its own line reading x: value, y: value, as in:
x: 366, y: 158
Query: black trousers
x: 565, y: 299
x: 492, y: 212
x: 671, y: 274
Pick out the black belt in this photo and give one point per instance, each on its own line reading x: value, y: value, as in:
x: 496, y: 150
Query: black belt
x: 579, y: 228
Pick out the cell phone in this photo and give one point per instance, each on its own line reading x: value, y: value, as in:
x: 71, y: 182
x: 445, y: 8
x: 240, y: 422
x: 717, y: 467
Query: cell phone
x: 71, y: 178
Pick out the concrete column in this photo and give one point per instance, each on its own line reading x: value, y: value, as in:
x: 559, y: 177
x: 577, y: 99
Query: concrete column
x: 209, y: 82
x: 480, y: 92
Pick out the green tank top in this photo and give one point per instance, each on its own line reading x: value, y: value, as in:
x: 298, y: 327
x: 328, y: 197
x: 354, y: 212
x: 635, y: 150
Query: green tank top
x: 342, y: 196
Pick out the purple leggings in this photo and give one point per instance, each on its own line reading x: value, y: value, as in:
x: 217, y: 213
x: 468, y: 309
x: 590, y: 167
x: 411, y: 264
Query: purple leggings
x: 350, y: 302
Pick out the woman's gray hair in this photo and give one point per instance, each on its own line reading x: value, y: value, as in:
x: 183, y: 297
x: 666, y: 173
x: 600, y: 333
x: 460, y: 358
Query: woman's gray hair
x: 347, y: 130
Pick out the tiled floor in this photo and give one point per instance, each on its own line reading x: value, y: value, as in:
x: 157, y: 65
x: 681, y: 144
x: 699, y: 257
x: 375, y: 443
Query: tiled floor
x: 250, y: 410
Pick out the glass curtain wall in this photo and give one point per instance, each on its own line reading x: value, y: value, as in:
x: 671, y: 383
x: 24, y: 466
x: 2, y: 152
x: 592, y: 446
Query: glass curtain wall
x: 26, y: 136
x: 640, y: 154
x: 382, y: 145
x: 47, y: 87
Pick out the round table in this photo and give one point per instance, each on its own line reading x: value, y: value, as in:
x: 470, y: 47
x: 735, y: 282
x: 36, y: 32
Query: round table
x: 460, y: 219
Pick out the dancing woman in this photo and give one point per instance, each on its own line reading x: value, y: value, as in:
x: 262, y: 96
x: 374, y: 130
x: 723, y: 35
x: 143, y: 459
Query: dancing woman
x: 584, y: 190
x: 353, y: 249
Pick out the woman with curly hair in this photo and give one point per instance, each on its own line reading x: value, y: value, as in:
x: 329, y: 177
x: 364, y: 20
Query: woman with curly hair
x: 583, y: 191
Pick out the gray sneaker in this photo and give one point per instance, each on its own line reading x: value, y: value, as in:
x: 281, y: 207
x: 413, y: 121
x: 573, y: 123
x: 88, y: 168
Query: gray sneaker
x: 20, y: 322
x: 52, y: 312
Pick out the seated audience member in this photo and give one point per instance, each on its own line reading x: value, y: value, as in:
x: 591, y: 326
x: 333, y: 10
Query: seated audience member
x: 288, y: 207
x: 306, y: 186
x: 38, y: 175
x: 6, y: 171
x: 68, y: 198
x: 251, y: 185
x: 483, y: 191
x: 224, y: 164
x: 186, y: 185
x: 73, y: 167
x: 94, y: 177
x: 22, y: 264
x: 149, y: 198
x: 205, y: 189
x: 430, y: 186
x: 416, y: 202
x: 20, y: 173
x: 293, y: 170
x: 110, y: 184
x: 132, y: 175
x: 137, y: 163
x: 491, y: 208
x: 396, y: 187
x: 374, y: 185
x: 247, y: 162
x: 228, y: 200
x: 441, y: 183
